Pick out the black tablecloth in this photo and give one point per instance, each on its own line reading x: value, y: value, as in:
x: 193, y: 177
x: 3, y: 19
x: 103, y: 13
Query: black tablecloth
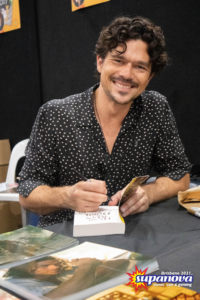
x: 166, y: 231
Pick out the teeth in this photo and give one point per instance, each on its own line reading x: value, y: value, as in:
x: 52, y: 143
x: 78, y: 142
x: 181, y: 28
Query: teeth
x: 123, y: 86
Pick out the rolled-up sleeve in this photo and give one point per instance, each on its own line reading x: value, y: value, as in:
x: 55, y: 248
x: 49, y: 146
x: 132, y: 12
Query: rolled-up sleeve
x: 169, y: 156
x: 41, y: 163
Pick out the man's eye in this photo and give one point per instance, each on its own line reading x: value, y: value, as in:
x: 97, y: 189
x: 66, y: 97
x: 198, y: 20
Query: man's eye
x: 118, y: 60
x: 141, y: 67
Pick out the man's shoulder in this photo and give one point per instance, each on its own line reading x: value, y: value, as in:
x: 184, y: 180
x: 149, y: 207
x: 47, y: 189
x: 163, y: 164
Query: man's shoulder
x: 153, y: 96
x: 155, y: 101
x: 68, y: 103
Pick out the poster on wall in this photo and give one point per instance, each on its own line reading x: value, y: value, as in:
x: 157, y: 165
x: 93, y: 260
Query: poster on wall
x: 78, y: 4
x: 9, y: 15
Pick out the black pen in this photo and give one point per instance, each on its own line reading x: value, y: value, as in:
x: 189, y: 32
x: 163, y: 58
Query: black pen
x: 85, y: 179
x: 81, y: 175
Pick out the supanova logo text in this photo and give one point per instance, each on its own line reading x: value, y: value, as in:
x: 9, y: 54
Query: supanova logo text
x: 139, y: 279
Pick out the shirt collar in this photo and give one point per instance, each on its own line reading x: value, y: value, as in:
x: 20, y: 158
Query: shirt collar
x: 86, y: 116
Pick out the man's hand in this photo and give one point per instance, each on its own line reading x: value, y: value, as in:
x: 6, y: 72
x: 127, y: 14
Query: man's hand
x: 82, y: 196
x: 85, y: 196
x: 158, y: 190
x: 138, y: 202
x: 86, y: 262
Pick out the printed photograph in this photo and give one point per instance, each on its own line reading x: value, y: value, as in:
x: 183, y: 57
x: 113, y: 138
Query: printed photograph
x: 9, y: 15
x: 72, y: 270
x: 30, y: 241
x: 6, y: 296
x: 78, y: 4
x: 123, y: 292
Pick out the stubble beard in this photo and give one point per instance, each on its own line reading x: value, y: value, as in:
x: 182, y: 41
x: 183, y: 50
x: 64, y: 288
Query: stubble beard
x: 113, y: 98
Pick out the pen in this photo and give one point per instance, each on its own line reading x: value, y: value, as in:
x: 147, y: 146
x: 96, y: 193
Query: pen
x: 85, y: 179
x: 193, y: 212
x: 81, y: 175
x: 195, y: 208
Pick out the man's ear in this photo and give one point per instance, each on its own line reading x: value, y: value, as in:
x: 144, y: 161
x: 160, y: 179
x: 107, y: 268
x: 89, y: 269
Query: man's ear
x: 99, y: 63
x: 151, y: 76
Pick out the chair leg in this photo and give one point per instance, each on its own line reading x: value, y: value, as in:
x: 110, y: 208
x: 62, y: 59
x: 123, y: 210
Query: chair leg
x: 24, y: 217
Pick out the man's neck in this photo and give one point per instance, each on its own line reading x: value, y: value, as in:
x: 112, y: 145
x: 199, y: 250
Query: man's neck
x: 109, y: 112
x: 110, y: 116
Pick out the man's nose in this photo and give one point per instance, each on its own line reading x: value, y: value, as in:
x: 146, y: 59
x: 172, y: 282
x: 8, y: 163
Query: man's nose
x: 127, y: 71
x: 53, y: 267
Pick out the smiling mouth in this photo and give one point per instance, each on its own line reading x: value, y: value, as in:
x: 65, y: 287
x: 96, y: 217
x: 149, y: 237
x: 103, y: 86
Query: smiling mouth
x: 124, y: 85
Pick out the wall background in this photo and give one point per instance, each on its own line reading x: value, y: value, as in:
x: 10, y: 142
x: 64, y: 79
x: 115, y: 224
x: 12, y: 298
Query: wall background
x: 51, y: 56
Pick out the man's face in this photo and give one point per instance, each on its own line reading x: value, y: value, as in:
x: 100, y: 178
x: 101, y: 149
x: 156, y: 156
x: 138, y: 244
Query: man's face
x: 125, y: 76
x: 47, y: 267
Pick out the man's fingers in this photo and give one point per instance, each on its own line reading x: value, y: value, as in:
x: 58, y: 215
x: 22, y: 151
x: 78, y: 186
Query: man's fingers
x: 96, y: 186
x: 87, y: 196
x: 115, y: 199
x: 130, y: 206
x: 84, y: 208
x: 92, y: 197
x: 137, y: 203
x: 85, y: 205
x: 133, y: 209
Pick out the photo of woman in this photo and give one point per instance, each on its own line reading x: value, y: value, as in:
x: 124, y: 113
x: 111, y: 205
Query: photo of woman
x: 78, y: 2
x: 1, y: 21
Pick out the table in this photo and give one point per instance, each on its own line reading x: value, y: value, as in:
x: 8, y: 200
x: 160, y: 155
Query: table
x: 166, y: 231
x: 8, y: 192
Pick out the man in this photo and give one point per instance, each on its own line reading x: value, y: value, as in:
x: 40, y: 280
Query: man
x: 110, y: 133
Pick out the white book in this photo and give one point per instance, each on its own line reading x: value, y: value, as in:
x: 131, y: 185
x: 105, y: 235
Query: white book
x: 106, y: 220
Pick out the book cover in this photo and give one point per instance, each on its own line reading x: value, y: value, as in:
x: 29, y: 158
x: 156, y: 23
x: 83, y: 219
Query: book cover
x: 106, y: 220
x: 75, y: 273
x: 7, y: 296
x: 30, y: 241
x: 78, y: 4
x: 8, y: 187
x: 8, y: 192
x: 123, y: 292
x: 9, y: 15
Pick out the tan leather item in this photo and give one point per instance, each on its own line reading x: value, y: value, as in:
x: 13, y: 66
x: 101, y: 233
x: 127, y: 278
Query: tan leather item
x: 190, y: 198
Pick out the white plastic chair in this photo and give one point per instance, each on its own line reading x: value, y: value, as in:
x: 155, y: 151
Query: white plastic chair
x: 17, y: 152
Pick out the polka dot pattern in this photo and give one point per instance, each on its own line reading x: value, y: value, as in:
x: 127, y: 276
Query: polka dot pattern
x: 66, y: 135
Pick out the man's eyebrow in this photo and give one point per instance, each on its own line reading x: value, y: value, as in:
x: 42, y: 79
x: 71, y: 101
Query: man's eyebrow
x: 144, y: 63
x: 140, y: 62
x: 117, y: 56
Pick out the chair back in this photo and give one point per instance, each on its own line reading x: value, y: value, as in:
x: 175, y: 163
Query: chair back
x: 17, y: 152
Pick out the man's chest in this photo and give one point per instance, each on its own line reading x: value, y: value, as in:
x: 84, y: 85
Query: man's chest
x: 85, y: 149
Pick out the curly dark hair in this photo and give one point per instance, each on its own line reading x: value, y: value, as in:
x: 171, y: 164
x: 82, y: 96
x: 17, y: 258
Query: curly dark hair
x: 123, y: 29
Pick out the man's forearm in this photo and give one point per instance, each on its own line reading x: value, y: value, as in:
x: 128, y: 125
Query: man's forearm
x: 161, y: 189
x: 44, y: 200
x: 82, y: 196
x: 165, y: 188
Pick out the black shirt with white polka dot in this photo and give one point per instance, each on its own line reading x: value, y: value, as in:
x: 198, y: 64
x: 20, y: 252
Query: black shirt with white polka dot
x: 66, y: 135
